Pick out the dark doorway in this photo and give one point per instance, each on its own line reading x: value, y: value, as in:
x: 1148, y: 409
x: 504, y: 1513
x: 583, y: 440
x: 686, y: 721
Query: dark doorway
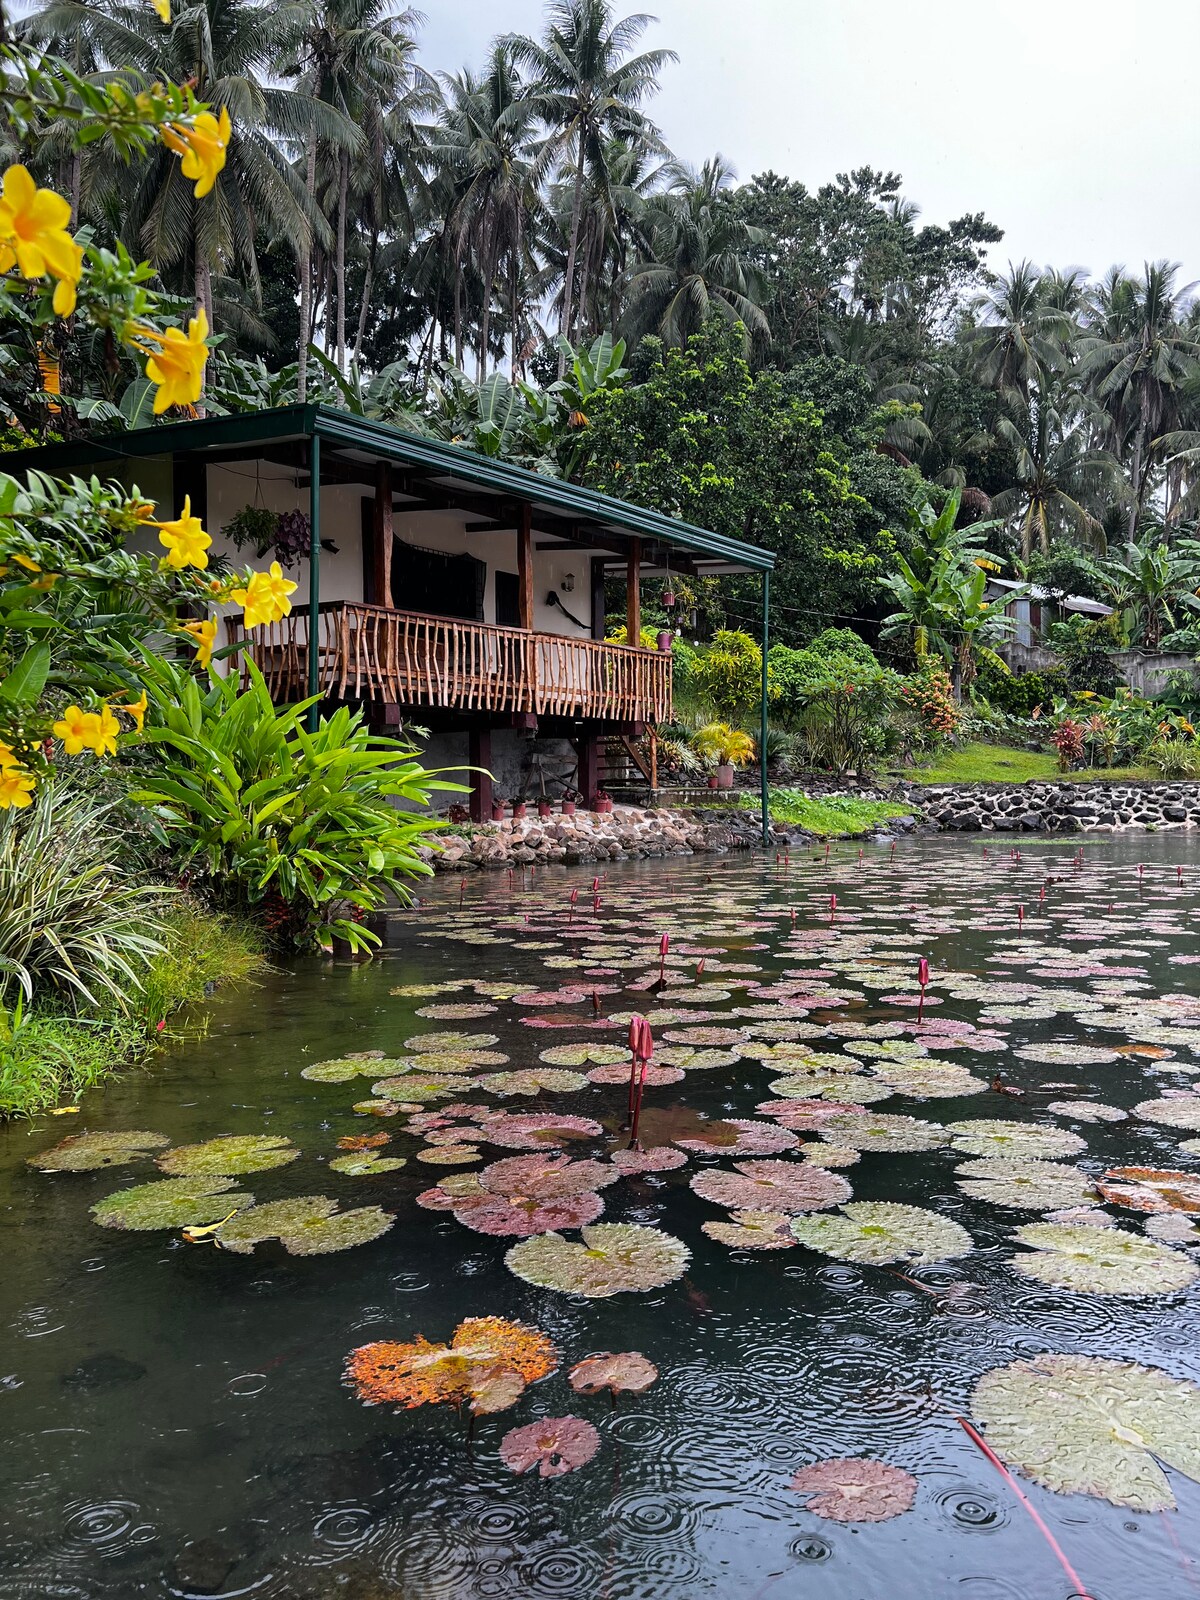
x: 508, y: 600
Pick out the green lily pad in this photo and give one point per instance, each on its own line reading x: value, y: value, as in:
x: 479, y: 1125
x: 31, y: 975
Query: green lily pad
x: 533, y: 1080
x: 424, y: 1042
x: 1101, y: 1260
x: 171, y: 1203
x: 998, y: 1138
x: 305, y: 1225
x: 1027, y: 1185
x: 753, y: 1230
x: 229, y: 1156
x: 1084, y: 1425
x: 874, y: 1130
x: 344, y: 1068
x: 879, y: 1232
x: 365, y: 1163
x: 87, y: 1152
x: 417, y: 1089
x: 1182, y: 1111
x: 614, y: 1257
x: 584, y: 1055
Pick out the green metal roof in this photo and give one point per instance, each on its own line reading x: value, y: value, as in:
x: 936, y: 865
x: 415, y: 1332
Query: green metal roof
x: 382, y: 442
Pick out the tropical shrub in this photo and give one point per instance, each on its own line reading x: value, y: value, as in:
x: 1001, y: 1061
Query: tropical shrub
x: 300, y: 826
x: 1020, y: 694
x: 1068, y: 740
x: 727, y: 746
x: 728, y: 676
x: 1084, y: 647
x: 929, y: 695
x: 1173, y: 757
x: 846, y: 718
x: 72, y: 924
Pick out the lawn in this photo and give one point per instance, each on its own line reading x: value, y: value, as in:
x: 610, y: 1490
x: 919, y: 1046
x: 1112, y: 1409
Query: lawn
x: 836, y: 817
x: 997, y: 763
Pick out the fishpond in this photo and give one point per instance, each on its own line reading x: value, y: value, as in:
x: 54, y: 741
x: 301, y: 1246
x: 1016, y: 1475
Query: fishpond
x: 369, y: 1291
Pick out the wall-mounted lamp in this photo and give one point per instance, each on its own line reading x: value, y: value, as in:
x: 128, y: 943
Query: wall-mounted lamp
x: 568, y: 583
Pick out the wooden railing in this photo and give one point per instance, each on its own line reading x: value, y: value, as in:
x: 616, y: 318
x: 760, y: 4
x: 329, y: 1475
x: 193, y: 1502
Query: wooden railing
x: 372, y: 653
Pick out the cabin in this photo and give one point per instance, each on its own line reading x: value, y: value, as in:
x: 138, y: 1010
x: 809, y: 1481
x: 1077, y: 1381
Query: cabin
x: 439, y: 588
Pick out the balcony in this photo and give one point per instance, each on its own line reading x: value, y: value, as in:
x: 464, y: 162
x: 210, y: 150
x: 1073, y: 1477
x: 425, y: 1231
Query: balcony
x: 379, y: 655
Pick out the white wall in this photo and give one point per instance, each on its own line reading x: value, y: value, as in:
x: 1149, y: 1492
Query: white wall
x: 234, y: 485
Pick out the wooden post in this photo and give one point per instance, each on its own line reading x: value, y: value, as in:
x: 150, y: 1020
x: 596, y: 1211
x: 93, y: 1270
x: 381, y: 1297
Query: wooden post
x: 588, y: 747
x: 381, y: 529
x: 633, y: 594
x: 525, y: 568
x: 479, y: 755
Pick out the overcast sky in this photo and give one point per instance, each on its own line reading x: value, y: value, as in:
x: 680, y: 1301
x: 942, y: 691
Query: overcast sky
x: 1074, y: 128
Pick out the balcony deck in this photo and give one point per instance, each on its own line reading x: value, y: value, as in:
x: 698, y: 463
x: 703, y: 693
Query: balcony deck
x: 404, y: 658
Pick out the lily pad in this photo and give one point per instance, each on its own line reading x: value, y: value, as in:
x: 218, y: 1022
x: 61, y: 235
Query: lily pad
x: 741, y: 1136
x: 1027, y: 1185
x: 344, y: 1068
x: 545, y: 1177
x: 171, y: 1203
x: 874, y: 1130
x: 449, y: 1155
x: 87, y: 1152
x: 423, y: 1042
x: 584, y: 1055
x: 1067, y: 1055
x: 626, y: 1373
x: 773, y: 1186
x: 554, y: 1445
x: 753, y: 1230
x: 1101, y: 1260
x: 537, y: 1130
x: 229, y: 1156
x: 1151, y: 1189
x: 520, y: 1217
x: 613, y: 1258
x: 1087, y: 1111
x: 419, y: 1373
x: 1182, y: 1111
x: 879, y: 1232
x: 533, y: 1080
x: 366, y: 1164
x: 856, y: 1490
x: 306, y: 1225
x: 998, y: 1138
x: 661, y: 1159
x: 1085, y: 1425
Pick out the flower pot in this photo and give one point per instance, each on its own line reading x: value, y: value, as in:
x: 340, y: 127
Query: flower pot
x: 519, y: 810
x: 724, y: 776
x: 543, y: 808
x: 665, y: 639
x: 497, y: 813
x: 568, y: 808
x: 712, y: 783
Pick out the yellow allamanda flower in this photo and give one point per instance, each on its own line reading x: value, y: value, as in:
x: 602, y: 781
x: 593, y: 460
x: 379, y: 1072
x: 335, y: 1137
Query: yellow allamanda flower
x: 185, y: 540
x: 265, y: 597
x: 34, y: 236
x: 106, y: 732
x: 163, y: 7
x: 76, y: 729
x: 202, y: 146
x: 204, y: 634
x: 8, y: 758
x: 16, y: 788
x: 177, y: 365
x: 137, y: 710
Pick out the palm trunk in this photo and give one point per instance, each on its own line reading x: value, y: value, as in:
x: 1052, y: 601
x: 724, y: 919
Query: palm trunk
x: 305, y: 263
x: 340, y: 268
x: 1136, y: 473
x: 360, y: 331
x: 512, y: 312
x: 572, y: 251
x: 458, y: 317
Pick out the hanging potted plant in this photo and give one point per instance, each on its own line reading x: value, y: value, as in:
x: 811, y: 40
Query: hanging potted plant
x: 252, y: 528
x: 728, y: 747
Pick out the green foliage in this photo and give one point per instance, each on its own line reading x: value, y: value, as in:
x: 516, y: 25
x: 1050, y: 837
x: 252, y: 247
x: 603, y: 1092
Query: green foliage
x: 728, y: 675
x: 727, y: 746
x: 277, y: 815
x: 1020, y: 694
x: 1151, y: 585
x: 837, y: 816
x: 1084, y: 647
x: 846, y: 714
x: 71, y: 924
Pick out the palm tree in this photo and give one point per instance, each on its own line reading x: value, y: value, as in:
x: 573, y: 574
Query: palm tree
x: 1062, y: 479
x: 487, y: 138
x: 1136, y: 357
x: 587, y: 88
x: 700, y: 263
x: 1020, y: 332
x: 1149, y: 582
x: 354, y: 59
x: 229, y: 51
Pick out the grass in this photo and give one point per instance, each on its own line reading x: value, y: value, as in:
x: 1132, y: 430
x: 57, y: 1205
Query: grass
x: 998, y: 763
x: 48, y: 1053
x: 837, y: 817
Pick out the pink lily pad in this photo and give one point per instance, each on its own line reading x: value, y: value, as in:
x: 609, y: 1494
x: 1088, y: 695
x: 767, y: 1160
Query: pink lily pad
x: 554, y: 1445
x: 856, y: 1490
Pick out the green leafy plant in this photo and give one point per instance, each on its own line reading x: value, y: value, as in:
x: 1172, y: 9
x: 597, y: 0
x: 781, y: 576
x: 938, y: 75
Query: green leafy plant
x: 728, y: 675
x: 71, y: 923
x: 300, y: 826
x: 727, y: 746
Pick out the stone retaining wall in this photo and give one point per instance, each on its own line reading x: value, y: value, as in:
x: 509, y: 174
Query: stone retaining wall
x: 627, y: 832
x: 1058, y: 807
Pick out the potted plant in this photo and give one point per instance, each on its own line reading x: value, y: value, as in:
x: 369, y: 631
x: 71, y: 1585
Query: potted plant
x: 570, y: 798
x: 497, y: 808
x: 601, y: 803
x: 543, y: 805
x: 728, y: 747
x: 519, y: 810
x: 459, y: 813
